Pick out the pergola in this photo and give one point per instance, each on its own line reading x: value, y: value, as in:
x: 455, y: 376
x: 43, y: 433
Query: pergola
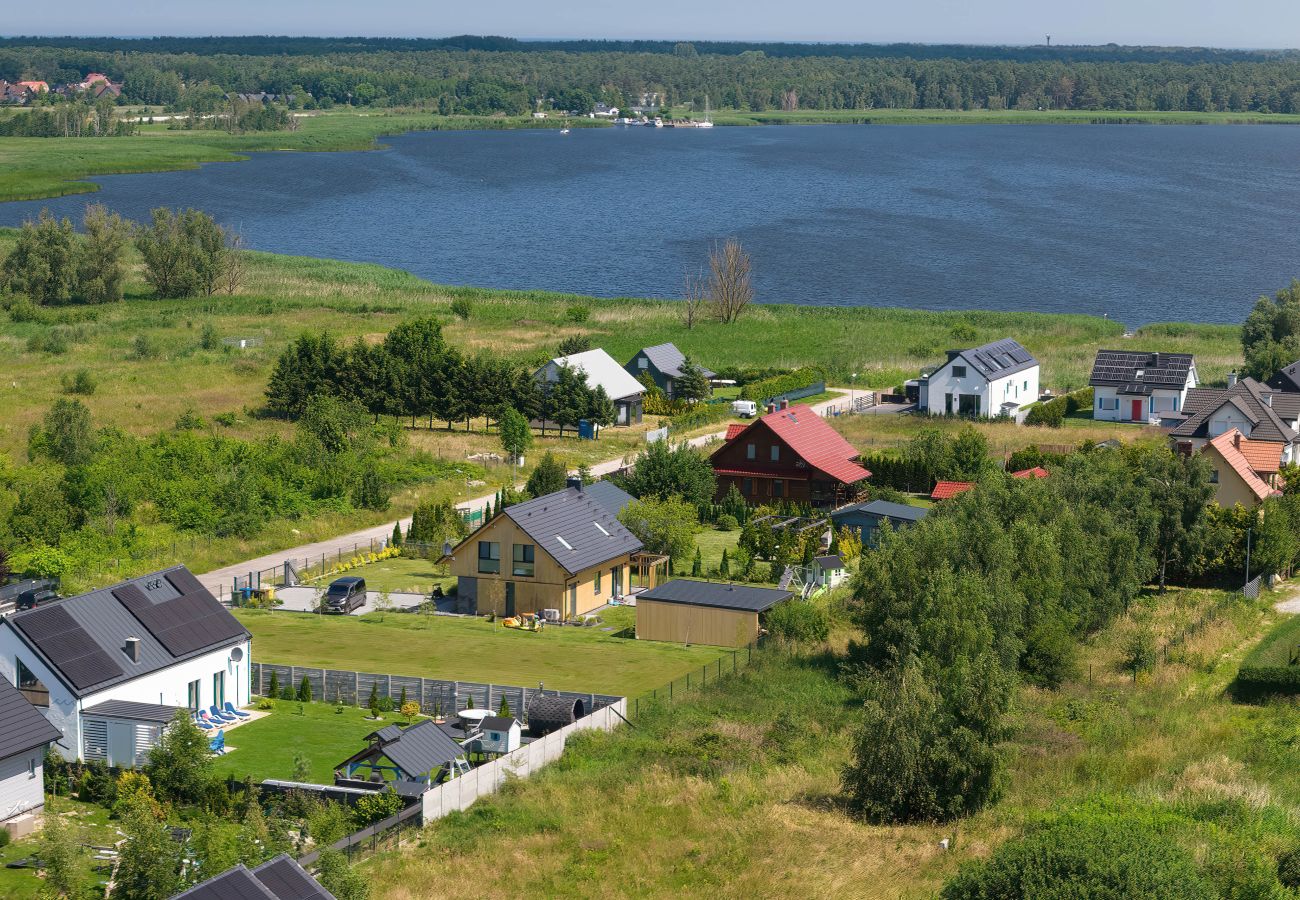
x: 648, y: 569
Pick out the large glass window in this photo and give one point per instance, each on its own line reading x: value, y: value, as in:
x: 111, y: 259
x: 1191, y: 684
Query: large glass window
x: 489, y: 558
x: 30, y: 686
x: 192, y: 695
x: 778, y: 487
x: 523, y: 560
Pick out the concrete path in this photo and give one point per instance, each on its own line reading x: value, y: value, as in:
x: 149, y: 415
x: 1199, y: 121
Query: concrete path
x: 221, y: 581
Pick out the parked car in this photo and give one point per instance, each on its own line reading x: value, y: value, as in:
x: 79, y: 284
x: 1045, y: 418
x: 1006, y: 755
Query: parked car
x: 345, y: 595
x: 746, y: 409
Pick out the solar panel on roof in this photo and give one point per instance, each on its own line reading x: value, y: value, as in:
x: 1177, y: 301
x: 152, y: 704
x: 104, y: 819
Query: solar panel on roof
x: 67, y: 646
x: 184, y: 581
x: 190, y: 622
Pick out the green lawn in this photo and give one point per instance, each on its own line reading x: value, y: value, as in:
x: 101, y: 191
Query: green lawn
x: 90, y: 824
x: 473, y: 649
x: 1277, y: 646
x: 266, y: 748
x: 711, y: 543
x: 401, y: 575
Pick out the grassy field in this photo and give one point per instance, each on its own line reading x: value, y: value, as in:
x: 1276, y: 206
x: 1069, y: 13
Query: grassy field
x: 473, y: 649
x: 1276, y: 648
x: 90, y: 824
x: 711, y: 543
x: 401, y: 575
x: 737, y: 791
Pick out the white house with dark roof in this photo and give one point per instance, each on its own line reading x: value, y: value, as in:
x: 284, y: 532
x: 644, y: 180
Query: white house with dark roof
x: 1137, y: 386
x: 663, y: 363
x: 1259, y: 413
x: 24, y: 736
x: 996, y: 379
x: 601, y: 370
x: 110, y: 668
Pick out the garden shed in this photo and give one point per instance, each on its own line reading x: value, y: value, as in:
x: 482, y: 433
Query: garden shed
x: 701, y: 612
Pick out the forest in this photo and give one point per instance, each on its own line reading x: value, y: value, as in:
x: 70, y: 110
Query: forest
x: 484, y: 76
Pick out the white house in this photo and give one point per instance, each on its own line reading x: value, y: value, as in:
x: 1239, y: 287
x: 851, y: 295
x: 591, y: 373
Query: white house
x: 1136, y: 386
x: 24, y: 735
x: 601, y: 370
x: 110, y: 668
x: 829, y: 571
x: 498, y: 734
x: 983, y: 382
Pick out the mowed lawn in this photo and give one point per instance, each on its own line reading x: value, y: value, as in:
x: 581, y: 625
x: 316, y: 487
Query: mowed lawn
x: 473, y: 649
x: 401, y: 575
x: 266, y: 747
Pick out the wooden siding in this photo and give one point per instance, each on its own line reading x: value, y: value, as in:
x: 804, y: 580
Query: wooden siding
x: 548, y: 588
x: 681, y: 623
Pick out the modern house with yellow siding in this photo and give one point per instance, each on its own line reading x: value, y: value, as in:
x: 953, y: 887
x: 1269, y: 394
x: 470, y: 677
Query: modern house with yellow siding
x: 565, y: 551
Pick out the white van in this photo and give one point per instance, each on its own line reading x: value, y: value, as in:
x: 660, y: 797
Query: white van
x: 746, y: 409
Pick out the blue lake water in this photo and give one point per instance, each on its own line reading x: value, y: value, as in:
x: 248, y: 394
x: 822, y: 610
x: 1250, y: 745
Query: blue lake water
x: 1143, y: 223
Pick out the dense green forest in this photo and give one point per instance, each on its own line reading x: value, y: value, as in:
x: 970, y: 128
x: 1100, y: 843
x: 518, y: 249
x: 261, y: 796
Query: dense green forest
x: 500, y: 75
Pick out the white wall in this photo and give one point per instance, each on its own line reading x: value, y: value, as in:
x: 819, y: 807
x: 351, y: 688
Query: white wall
x: 19, y: 791
x: 1020, y: 388
x: 1161, y: 400
x: 63, y: 710
x: 1227, y: 418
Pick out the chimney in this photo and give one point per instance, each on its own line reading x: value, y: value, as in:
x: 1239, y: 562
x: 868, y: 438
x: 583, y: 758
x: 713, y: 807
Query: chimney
x: 785, y: 402
x: 1236, y: 440
x: 575, y: 482
x: 1232, y: 379
x: 132, y: 649
x: 771, y: 408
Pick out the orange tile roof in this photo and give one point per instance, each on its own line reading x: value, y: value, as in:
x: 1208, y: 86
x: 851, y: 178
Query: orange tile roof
x: 945, y: 489
x: 813, y: 440
x: 1263, y: 456
x: 735, y: 428
x: 1226, y: 446
x: 1035, y: 472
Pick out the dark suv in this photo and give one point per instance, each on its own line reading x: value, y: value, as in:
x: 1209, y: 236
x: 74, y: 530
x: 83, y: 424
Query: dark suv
x: 345, y: 595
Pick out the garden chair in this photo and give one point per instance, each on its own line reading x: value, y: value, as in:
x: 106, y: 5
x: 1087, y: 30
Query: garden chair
x: 203, y: 723
x: 218, y: 744
x: 218, y: 716
x: 236, y: 712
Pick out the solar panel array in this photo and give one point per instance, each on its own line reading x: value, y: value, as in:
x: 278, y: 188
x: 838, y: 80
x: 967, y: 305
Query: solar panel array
x: 1122, y: 366
x: 190, y: 622
x: 67, y: 646
x: 998, y: 358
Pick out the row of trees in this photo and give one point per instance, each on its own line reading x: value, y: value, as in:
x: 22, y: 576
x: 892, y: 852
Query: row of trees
x: 78, y: 117
x: 415, y: 373
x: 185, y: 254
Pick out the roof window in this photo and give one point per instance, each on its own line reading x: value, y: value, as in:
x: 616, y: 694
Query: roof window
x: 566, y: 544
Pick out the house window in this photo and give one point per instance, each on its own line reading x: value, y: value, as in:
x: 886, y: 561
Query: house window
x: 218, y: 689
x: 958, y: 371
x: 747, y: 486
x: 30, y: 686
x: 1214, y: 476
x: 489, y: 558
x: 751, y: 452
x: 776, y: 452
x: 778, y: 487
x: 598, y: 581
x: 1026, y: 384
x: 523, y: 561
x: 642, y: 363
x: 192, y: 695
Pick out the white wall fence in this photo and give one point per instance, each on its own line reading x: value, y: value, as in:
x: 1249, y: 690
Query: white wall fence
x: 461, y: 792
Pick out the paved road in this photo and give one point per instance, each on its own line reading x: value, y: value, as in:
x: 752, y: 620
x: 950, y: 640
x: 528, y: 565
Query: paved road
x: 221, y: 581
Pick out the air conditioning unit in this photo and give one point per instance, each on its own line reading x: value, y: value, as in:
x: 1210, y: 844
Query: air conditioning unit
x: 551, y: 615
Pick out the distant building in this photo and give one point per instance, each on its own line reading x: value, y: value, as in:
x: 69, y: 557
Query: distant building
x: 601, y: 370
x: 663, y: 363
x: 867, y: 518
x: 946, y: 490
x: 1136, y: 386
x: 1287, y: 379
x: 1259, y: 412
x: 35, y: 87
x: 996, y: 379
x: 605, y: 111
x: 1245, y: 472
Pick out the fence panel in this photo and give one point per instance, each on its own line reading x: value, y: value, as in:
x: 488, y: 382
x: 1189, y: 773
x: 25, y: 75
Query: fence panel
x: 1251, y: 590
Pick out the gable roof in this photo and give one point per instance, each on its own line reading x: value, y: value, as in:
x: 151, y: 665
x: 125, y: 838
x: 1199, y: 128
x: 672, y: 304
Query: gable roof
x: 82, y: 638
x: 734, y: 429
x: 575, y: 529
x: 996, y: 359
x: 885, y: 509
x: 1287, y: 378
x: 612, y: 498
x: 1263, y: 456
x: 280, y: 878
x: 943, y: 490
x: 1141, y: 370
x: 1035, y: 472
x: 812, y: 439
x: 418, y: 750
x: 829, y: 562
x: 498, y: 723
x: 716, y: 594
x: 601, y: 370
x: 667, y: 359
x: 1247, y: 396
x: 22, y: 727
x: 1226, y: 446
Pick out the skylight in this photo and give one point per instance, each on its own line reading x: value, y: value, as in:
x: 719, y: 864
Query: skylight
x: 601, y: 528
x: 567, y: 545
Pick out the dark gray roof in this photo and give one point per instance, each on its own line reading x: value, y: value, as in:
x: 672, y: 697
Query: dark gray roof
x: 829, y: 562
x: 125, y: 709
x: 82, y: 638
x: 666, y: 358
x: 997, y: 359
x: 1137, y: 368
x: 1254, y: 401
x: 884, y: 509
x: 278, y: 879
x: 498, y: 723
x: 22, y: 726
x: 716, y: 594
x: 1287, y: 378
x: 574, y: 528
x: 609, y: 495
x: 421, y: 749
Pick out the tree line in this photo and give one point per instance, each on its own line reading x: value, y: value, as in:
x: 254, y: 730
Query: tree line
x: 415, y: 374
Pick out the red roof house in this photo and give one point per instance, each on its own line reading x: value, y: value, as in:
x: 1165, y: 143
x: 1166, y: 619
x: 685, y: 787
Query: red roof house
x: 1035, y: 472
x: 945, y: 489
x: 791, y: 454
x: 36, y: 87
x: 1245, y: 471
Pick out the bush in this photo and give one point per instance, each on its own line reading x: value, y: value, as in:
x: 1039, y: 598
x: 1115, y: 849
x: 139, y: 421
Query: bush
x: 578, y: 312
x: 764, y: 390
x: 54, y: 341
x: 727, y: 522
x: 1050, y: 414
x: 375, y: 808
x: 143, y: 347
x: 1257, y: 682
x: 461, y: 308
x: 1288, y: 867
x: 799, y: 622
x: 80, y: 382
x: 4, y: 838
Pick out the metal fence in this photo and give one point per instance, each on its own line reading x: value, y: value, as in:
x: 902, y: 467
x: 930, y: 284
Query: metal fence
x: 1251, y: 590
x: 435, y: 696
x: 384, y: 834
x: 729, y: 663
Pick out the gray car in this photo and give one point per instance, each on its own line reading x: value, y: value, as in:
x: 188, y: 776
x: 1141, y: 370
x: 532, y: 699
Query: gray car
x: 345, y: 595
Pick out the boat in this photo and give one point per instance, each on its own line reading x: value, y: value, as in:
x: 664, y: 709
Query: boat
x: 565, y: 129
x: 708, y: 119
x: 659, y: 123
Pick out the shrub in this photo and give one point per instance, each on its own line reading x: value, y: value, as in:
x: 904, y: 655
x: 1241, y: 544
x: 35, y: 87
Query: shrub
x: 143, y: 347
x: 461, y: 308
x: 799, y: 622
x: 80, y: 382
x: 578, y: 312
x: 1050, y: 414
x: 375, y: 808
x: 54, y: 341
x: 727, y: 522
x: 1288, y: 867
x: 4, y: 839
x: 768, y: 388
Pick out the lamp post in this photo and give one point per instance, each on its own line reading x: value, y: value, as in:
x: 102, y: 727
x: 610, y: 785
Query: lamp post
x: 853, y: 391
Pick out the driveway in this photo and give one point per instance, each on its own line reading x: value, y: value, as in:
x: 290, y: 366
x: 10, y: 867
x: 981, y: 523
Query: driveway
x: 303, y: 599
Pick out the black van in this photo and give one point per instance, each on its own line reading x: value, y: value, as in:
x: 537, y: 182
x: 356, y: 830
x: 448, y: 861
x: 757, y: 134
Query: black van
x: 345, y: 595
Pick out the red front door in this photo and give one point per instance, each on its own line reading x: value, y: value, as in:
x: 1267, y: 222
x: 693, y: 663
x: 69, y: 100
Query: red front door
x: 1137, y: 411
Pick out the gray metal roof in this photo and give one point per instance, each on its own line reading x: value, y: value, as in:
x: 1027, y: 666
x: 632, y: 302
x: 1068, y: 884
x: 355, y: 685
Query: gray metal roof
x: 667, y: 359
x: 82, y: 638
x: 720, y: 595
x: 609, y: 495
x: 996, y: 359
x: 1254, y: 400
x: 22, y: 727
x: 421, y: 749
x: 830, y: 561
x: 574, y: 528
x: 1137, y: 368
x: 278, y: 879
x: 884, y: 509
x: 498, y: 723
x: 125, y: 709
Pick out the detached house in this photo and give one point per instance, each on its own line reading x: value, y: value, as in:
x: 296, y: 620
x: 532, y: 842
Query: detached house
x: 566, y: 551
x: 663, y: 363
x: 790, y: 454
x: 1245, y: 471
x: 110, y: 668
x: 1287, y: 379
x: 24, y: 736
x: 601, y: 370
x: 1258, y: 412
x: 982, y: 382
x: 1136, y: 386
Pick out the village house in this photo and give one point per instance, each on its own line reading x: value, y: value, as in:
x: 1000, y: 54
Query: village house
x: 1254, y: 409
x: 601, y: 370
x: 24, y: 736
x: 565, y: 551
x: 1244, y: 472
x: 996, y: 379
x: 35, y: 87
x: 663, y: 364
x: 280, y: 878
x: 1286, y: 379
x: 866, y: 519
x: 1137, y: 386
x: 110, y: 668
x: 790, y: 454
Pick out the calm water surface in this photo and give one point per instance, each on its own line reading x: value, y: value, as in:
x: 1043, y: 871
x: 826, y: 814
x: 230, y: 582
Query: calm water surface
x: 1143, y: 223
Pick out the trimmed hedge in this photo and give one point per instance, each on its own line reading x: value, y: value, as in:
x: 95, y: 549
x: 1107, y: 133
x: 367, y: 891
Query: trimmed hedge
x: 781, y: 384
x: 1254, y: 682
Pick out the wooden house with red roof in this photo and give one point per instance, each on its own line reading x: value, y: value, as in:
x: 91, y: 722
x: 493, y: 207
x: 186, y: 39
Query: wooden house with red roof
x: 791, y: 454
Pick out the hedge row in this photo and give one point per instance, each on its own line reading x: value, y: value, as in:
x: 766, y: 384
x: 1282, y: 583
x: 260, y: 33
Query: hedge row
x: 791, y: 381
x: 1255, y: 682
x: 1053, y: 412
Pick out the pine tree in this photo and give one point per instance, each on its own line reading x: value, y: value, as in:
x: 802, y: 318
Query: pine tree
x: 504, y: 711
x: 697, y: 564
x: 273, y: 690
x: 402, y: 702
x: 304, y: 690
x: 397, y: 535
x: 724, y: 569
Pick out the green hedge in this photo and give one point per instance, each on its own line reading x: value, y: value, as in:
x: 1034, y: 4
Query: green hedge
x: 780, y: 384
x: 1254, y: 682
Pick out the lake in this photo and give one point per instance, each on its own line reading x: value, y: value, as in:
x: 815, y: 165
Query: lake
x: 1142, y: 223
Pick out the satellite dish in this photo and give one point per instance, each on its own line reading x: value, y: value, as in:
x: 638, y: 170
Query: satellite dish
x: 237, y: 654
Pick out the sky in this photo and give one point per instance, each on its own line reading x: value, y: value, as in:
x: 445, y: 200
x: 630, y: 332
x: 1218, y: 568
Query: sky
x: 1216, y: 23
